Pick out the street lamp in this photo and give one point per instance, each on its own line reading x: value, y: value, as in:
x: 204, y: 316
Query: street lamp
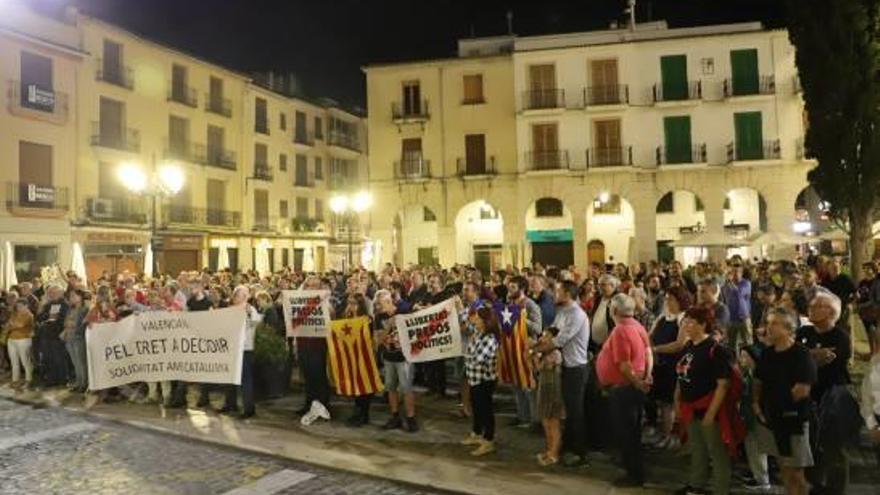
x: 349, y: 206
x: 167, y: 181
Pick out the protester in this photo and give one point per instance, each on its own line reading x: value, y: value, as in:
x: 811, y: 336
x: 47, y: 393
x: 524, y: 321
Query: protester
x: 550, y: 406
x: 19, y: 335
x: 704, y: 377
x: 73, y: 336
x: 517, y: 289
x: 240, y: 297
x: 356, y: 306
x: 781, y: 400
x: 573, y: 338
x: 737, y: 293
x: 480, y: 364
x: 624, y: 368
x: 398, y: 373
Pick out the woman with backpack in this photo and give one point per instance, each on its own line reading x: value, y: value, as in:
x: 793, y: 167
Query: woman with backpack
x: 706, y: 396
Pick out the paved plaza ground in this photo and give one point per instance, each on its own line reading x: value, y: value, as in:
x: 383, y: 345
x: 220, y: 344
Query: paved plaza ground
x: 50, y: 443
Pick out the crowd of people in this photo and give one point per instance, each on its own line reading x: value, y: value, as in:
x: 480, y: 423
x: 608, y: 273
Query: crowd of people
x: 744, y: 360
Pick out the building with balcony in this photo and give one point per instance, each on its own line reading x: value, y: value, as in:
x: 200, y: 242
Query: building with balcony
x: 85, y: 96
x: 602, y: 146
x: 39, y: 60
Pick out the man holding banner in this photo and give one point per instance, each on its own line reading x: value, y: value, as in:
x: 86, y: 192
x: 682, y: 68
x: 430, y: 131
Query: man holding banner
x: 252, y: 318
x: 307, y: 318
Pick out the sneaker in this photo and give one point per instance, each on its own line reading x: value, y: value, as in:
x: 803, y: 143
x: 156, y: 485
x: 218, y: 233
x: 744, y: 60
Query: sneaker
x: 485, y: 447
x: 393, y: 423
x: 309, y: 418
x: 411, y: 425
x: 471, y: 439
x: 320, y: 410
x: 754, y: 486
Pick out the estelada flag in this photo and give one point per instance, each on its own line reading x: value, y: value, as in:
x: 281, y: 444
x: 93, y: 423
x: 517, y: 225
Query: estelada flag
x: 514, y: 365
x: 352, y: 360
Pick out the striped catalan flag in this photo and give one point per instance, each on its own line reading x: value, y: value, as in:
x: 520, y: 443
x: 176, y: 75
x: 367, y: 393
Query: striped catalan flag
x: 514, y: 365
x: 351, y: 357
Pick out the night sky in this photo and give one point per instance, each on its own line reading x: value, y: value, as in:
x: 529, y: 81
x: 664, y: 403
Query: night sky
x: 325, y: 42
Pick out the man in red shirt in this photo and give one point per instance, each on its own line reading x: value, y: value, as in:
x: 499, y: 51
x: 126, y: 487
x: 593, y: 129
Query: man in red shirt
x: 624, y: 369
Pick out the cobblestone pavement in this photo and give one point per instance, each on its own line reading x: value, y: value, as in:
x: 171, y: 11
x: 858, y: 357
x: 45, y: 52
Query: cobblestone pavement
x: 52, y: 451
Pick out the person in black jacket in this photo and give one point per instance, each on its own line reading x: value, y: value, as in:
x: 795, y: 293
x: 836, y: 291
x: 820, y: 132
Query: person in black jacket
x: 51, y: 354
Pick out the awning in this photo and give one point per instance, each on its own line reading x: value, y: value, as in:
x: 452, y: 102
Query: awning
x: 557, y: 235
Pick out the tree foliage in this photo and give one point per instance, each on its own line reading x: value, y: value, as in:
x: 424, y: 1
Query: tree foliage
x: 837, y: 58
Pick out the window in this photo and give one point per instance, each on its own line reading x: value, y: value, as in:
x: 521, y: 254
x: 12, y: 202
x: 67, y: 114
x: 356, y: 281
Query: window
x: 542, y: 86
x: 412, y: 98
x: 109, y: 185
x: 608, y: 149
x: 603, y: 77
x: 261, y: 208
x: 727, y: 202
x: 285, y: 257
x: 282, y: 162
x: 302, y: 171
x: 319, y: 210
x: 548, y: 207
x: 34, y: 170
x: 319, y: 128
x: 673, y: 72
x: 475, y: 154
x: 282, y: 121
x: 473, y: 89
x: 111, y: 64
x: 302, y: 208
x: 216, y: 201
x: 178, y: 133
x: 215, y: 144
x: 677, y: 132
x: 29, y: 260
x: 282, y: 208
x: 428, y: 215
x: 744, y: 68
x: 487, y: 212
x: 261, y: 155
x: 545, y: 146
x: 609, y: 207
x: 666, y: 204
x: 179, y: 89
x: 319, y: 168
x: 261, y: 117
x: 301, y: 133
x: 749, y: 136
x: 36, y: 71
x: 215, y: 94
x: 111, y: 123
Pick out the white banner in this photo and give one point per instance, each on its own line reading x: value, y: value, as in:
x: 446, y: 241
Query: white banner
x: 306, y: 312
x: 200, y: 346
x: 430, y: 334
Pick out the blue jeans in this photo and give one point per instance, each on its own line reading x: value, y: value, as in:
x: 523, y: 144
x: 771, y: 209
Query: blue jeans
x: 76, y: 349
x: 523, y: 398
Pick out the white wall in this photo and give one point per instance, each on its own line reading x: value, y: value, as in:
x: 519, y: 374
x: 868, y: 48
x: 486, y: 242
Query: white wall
x: 533, y: 222
x: 744, y: 209
x: 616, y: 231
x: 683, y: 215
x: 471, y: 230
x: 415, y: 233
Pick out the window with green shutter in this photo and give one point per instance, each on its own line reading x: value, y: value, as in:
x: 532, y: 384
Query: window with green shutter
x: 678, y: 139
x: 744, y: 67
x: 749, y: 136
x: 673, y: 70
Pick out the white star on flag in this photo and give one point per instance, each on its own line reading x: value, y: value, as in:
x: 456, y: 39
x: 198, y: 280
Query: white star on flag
x: 506, y: 315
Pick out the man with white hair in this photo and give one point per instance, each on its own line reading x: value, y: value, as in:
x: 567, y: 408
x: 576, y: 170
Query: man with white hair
x: 829, y: 345
x: 623, y: 368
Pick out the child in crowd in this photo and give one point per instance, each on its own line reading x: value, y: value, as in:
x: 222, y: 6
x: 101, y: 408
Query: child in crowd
x: 549, y: 398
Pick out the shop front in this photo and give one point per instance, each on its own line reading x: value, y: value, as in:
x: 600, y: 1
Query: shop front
x: 112, y: 251
x: 180, y: 253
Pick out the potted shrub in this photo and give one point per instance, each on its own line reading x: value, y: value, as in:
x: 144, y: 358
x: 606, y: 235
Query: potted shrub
x: 271, y: 367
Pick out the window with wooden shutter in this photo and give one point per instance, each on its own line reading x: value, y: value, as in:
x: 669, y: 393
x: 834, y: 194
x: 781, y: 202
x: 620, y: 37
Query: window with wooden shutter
x: 473, y: 89
x: 475, y: 153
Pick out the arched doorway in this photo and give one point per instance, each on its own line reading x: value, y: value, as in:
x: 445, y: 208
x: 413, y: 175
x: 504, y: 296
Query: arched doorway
x: 415, y: 236
x: 679, y: 213
x: 479, y: 234
x: 611, y: 219
x: 745, y: 214
x: 549, y: 233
